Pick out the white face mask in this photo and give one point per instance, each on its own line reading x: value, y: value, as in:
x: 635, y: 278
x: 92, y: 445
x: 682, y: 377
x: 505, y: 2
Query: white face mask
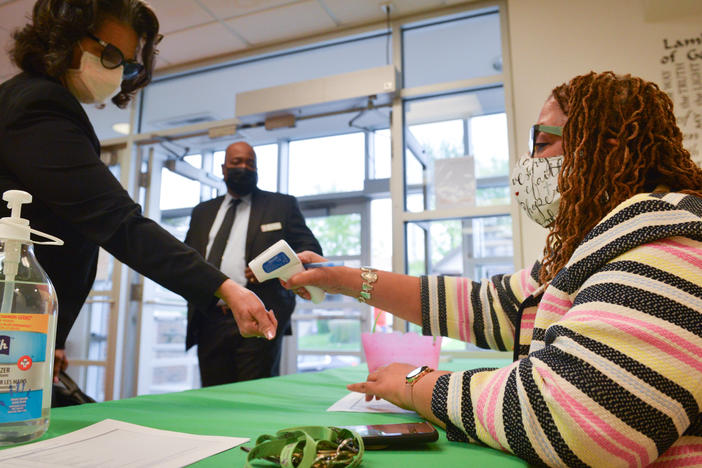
x: 535, y: 184
x: 93, y: 83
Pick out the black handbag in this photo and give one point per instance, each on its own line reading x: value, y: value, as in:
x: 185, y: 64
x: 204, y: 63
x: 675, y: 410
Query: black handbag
x: 68, y: 393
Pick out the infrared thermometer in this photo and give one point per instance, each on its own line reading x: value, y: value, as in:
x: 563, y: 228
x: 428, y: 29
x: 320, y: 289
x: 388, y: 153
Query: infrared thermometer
x: 280, y: 261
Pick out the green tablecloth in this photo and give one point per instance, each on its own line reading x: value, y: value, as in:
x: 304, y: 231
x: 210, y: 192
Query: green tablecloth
x: 248, y: 409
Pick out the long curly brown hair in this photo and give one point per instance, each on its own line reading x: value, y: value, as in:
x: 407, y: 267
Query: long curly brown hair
x: 45, y: 45
x: 620, y: 139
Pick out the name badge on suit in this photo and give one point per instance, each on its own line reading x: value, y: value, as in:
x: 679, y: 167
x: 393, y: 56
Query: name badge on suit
x: 271, y: 227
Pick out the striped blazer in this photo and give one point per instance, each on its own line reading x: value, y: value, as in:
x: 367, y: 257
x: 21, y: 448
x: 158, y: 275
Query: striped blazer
x: 608, y: 359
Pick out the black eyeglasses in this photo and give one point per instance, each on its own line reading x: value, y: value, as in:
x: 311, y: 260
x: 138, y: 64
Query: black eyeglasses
x: 534, y: 133
x: 112, y: 58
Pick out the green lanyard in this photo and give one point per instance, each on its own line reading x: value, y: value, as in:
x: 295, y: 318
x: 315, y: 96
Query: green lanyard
x: 309, y: 447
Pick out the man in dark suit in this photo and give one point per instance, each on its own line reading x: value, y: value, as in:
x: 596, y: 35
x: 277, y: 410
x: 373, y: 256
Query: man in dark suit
x: 230, y: 231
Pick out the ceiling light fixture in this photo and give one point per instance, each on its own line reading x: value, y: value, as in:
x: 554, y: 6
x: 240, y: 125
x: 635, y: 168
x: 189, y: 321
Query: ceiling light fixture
x: 121, y: 127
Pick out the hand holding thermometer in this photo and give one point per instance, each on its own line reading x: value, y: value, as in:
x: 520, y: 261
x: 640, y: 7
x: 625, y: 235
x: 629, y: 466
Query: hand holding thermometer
x: 280, y: 261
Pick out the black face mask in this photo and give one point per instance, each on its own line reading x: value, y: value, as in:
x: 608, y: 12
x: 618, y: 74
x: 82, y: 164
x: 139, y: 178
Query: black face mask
x: 241, y: 181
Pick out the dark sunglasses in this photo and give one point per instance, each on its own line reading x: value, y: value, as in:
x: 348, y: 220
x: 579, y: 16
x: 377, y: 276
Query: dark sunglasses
x: 112, y: 58
x: 534, y: 133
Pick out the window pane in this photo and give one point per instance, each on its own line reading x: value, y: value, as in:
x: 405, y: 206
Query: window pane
x: 267, y: 162
x: 92, y: 380
x: 329, y: 334
x: 176, y: 225
x: 105, y: 268
x: 469, y: 247
x: 194, y: 160
x: 339, y: 235
x: 381, y: 252
x: 453, y: 50
x: 169, y: 326
x: 178, y: 191
x: 440, y: 139
x: 461, y: 140
x: 415, y: 201
x: 217, y: 161
x: 416, y: 250
x: 414, y: 182
x: 335, y: 329
x: 88, y: 336
x: 488, y: 144
x: 315, y: 165
x: 166, y: 366
x: 381, y: 153
x: 381, y: 233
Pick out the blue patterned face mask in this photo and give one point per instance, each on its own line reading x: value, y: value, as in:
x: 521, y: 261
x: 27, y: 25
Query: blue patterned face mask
x: 535, y: 184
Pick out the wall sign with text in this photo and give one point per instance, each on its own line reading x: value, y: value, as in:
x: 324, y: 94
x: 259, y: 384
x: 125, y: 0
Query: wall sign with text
x: 681, y: 78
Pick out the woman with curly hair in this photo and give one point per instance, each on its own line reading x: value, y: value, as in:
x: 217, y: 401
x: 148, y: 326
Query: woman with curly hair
x: 606, y: 329
x: 89, y: 51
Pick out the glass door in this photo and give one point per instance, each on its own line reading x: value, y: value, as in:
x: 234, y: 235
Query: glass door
x: 177, y: 174
x: 174, y: 180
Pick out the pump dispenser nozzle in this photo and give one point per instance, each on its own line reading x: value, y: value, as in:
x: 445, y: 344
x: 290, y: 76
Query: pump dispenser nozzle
x: 15, y: 227
x: 13, y: 230
x: 15, y: 199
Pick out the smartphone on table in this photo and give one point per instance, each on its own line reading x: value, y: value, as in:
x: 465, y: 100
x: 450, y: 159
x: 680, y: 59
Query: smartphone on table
x: 399, y: 434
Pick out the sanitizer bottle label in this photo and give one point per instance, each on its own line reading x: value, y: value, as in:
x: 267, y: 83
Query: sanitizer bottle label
x: 23, y: 339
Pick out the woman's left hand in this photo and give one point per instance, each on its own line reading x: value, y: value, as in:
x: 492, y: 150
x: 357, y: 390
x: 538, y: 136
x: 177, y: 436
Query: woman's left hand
x: 389, y: 384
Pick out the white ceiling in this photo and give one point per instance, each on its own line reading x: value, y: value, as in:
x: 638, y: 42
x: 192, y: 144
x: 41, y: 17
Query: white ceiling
x: 196, y: 30
x: 199, y: 30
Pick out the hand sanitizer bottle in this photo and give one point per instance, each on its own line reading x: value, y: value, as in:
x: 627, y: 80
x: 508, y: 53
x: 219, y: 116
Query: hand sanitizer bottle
x: 27, y: 329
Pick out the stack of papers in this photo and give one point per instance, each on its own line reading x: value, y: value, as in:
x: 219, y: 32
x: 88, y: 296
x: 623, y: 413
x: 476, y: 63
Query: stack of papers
x: 111, y: 443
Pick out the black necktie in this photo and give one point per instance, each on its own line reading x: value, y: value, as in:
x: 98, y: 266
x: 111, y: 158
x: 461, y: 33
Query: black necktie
x: 220, y: 240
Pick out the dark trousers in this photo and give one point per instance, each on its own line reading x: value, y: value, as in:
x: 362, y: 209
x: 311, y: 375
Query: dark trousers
x: 226, y: 357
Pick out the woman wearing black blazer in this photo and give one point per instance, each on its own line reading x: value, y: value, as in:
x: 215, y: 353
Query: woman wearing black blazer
x: 89, y: 51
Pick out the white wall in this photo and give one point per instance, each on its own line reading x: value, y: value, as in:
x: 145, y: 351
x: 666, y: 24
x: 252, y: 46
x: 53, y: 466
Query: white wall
x: 555, y: 40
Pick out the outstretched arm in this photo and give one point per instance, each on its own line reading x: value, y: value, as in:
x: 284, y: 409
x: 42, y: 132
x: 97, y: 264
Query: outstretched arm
x: 484, y: 313
x: 392, y: 292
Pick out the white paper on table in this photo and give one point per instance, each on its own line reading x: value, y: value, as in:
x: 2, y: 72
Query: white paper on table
x: 112, y: 443
x: 356, y: 403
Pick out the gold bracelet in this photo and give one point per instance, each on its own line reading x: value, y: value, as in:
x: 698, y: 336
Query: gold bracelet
x: 369, y: 277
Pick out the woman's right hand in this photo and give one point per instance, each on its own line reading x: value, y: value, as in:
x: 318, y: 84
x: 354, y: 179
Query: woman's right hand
x: 330, y: 279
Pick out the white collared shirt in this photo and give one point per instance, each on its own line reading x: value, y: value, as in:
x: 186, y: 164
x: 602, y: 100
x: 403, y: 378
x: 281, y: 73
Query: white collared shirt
x: 234, y: 256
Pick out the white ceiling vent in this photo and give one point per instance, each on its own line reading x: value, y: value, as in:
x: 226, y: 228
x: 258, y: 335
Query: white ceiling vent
x: 328, y: 94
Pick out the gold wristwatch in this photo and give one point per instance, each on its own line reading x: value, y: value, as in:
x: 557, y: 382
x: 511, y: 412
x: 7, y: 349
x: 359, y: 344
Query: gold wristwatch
x: 417, y: 374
